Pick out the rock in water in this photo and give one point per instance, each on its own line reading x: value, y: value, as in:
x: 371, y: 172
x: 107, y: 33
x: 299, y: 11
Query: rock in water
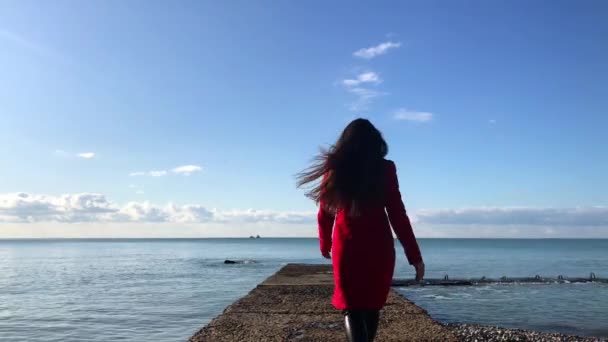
x: 228, y: 261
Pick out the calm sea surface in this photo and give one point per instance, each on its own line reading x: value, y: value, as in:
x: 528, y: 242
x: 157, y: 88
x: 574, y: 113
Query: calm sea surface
x: 165, y: 290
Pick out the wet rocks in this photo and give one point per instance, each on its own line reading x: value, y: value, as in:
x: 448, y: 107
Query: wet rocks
x: 232, y: 262
x: 479, y: 333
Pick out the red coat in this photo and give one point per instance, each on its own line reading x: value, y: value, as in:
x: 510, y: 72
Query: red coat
x: 362, y: 248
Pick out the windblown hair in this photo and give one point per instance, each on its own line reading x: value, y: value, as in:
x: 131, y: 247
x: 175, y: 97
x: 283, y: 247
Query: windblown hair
x: 351, y: 170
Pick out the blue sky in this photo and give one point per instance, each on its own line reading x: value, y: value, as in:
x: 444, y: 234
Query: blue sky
x: 491, y: 109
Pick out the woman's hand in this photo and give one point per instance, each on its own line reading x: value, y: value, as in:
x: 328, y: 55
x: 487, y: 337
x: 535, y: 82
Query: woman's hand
x: 419, y: 270
x: 326, y: 255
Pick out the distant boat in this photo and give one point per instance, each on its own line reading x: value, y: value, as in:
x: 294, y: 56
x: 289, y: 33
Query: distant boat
x: 257, y: 236
x: 254, y: 237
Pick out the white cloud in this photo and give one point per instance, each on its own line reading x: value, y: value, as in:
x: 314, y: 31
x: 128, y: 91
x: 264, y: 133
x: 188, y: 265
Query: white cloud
x: 251, y: 215
x: 186, y: 170
x: 366, y: 77
x: 523, y: 216
x: 364, y: 96
x: 158, y: 173
x: 67, y: 155
x: 86, y: 155
x: 374, y: 51
x: 410, y: 115
x: 153, y: 173
x: 24, y: 207
x: 87, y: 207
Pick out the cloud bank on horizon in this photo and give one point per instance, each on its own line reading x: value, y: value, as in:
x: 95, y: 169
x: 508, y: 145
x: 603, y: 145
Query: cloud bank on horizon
x: 25, y: 208
x: 94, y: 207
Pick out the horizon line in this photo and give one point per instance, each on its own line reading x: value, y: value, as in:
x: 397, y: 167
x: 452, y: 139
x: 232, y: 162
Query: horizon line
x: 289, y: 237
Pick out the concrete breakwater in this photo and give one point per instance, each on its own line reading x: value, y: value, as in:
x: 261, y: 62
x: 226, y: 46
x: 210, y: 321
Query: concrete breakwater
x: 294, y: 305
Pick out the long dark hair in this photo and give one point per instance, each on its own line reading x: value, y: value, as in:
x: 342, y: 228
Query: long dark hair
x: 351, y: 170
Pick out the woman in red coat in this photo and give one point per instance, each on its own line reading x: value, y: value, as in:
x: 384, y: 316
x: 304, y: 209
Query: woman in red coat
x: 358, y: 196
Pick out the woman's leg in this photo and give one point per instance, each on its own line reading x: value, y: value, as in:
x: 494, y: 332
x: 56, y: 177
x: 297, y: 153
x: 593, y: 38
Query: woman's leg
x: 354, y: 322
x: 371, y: 323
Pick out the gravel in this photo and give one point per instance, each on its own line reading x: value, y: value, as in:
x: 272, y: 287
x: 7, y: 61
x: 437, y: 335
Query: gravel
x: 479, y: 333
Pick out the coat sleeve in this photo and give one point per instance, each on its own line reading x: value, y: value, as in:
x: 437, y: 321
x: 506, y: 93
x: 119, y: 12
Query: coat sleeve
x: 326, y: 223
x: 399, y: 219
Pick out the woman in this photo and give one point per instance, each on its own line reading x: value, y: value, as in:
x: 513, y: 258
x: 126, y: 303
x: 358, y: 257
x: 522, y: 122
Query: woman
x: 358, y: 189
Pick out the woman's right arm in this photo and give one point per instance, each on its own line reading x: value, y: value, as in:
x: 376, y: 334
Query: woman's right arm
x: 325, y: 221
x: 326, y: 224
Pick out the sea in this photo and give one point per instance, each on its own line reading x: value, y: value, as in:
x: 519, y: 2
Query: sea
x: 167, y: 289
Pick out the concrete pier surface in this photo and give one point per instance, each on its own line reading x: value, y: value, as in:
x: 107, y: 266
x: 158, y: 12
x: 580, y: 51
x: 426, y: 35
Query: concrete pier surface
x: 294, y: 304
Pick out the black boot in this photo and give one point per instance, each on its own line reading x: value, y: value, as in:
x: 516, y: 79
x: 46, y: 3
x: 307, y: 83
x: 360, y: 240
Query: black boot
x: 354, y: 322
x: 371, y: 323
